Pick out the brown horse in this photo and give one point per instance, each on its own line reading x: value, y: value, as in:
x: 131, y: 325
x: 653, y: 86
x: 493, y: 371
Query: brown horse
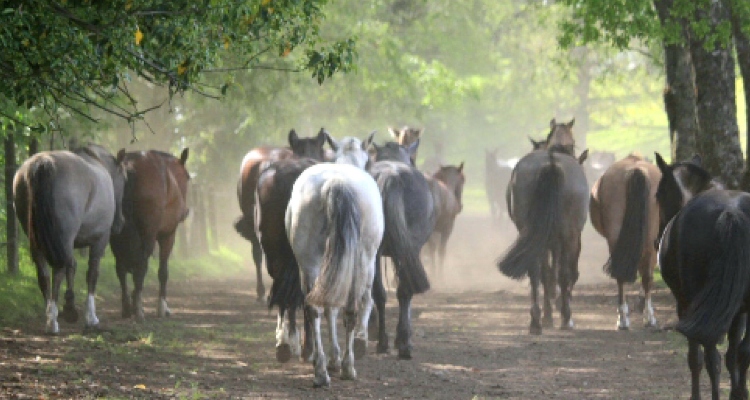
x: 406, y: 136
x: 446, y: 185
x: 154, y: 203
x: 560, y: 138
x: 624, y: 211
x: 252, y: 165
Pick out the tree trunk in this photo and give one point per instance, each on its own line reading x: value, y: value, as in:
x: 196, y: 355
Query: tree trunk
x: 211, y: 216
x: 198, y: 231
x: 11, y: 246
x: 33, y: 146
x: 679, y: 93
x: 718, y: 140
x: 742, y: 47
x: 582, y: 91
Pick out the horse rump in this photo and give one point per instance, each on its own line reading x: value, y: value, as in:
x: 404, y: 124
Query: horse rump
x: 626, y: 255
x: 45, y: 232
x: 337, y: 276
x: 539, y: 231
x: 398, y: 238
x: 713, y: 308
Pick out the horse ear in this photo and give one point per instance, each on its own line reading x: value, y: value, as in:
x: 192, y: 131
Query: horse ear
x: 572, y: 122
x: 293, y: 138
x: 322, y: 137
x: 552, y: 124
x: 120, y: 156
x: 412, y: 149
x: 418, y: 132
x: 368, y: 140
x: 583, y: 156
x: 696, y: 160
x: 184, y: 156
x: 332, y: 142
x: 660, y: 162
x: 461, y: 167
x: 396, y: 134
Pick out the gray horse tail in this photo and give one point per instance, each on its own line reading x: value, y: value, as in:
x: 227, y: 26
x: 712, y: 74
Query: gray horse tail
x: 337, y: 274
x: 628, y: 249
x: 540, y: 226
x: 45, y: 231
x: 404, y: 251
x: 713, y: 308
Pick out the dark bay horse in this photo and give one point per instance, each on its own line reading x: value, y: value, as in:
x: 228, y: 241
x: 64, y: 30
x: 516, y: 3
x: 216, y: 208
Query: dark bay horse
x: 623, y: 210
x: 66, y: 200
x: 409, y: 213
x: 335, y: 225
x: 154, y: 203
x: 446, y: 186
x: 548, y: 202
x: 274, y: 189
x: 496, y: 177
x: 254, y: 162
x: 705, y: 260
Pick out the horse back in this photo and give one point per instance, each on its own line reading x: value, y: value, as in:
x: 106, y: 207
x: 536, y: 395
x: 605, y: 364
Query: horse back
x: 252, y: 165
x: 609, y: 197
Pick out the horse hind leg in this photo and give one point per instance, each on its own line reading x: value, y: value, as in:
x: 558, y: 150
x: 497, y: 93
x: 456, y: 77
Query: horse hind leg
x: 695, y: 363
x: 732, y: 355
x: 122, y: 276
x: 350, y: 321
x: 260, y: 289
x: 623, y: 313
x: 69, y: 312
x: 567, y: 277
x: 647, y: 283
x: 334, y: 359
x: 361, y: 330
x: 92, y: 276
x: 379, y: 298
x: 535, y: 327
x: 743, y: 359
x: 713, y: 366
x: 52, y: 311
x: 549, y: 282
x: 321, y: 378
x: 165, y: 249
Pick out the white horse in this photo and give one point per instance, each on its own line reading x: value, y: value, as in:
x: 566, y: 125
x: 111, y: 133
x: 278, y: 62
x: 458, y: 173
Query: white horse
x: 335, y: 225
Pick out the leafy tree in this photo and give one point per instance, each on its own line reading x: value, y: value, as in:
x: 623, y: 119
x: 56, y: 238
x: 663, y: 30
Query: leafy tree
x: 80, y: 55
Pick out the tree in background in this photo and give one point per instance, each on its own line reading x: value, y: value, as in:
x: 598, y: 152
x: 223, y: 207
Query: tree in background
x: 697, y: 38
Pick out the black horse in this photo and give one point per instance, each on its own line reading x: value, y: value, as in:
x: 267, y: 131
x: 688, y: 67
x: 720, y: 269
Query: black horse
x: 548, y: 200
x: 705, y: 260
x: 409, y: 220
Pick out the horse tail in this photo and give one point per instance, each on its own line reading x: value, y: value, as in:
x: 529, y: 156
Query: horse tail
x: 628, y: 249
x: 45, y: 231
x: 540, y: 232
x: 408, y: 265
x: 286, y: 290
x: 337, y: 274
x: 714, y: 307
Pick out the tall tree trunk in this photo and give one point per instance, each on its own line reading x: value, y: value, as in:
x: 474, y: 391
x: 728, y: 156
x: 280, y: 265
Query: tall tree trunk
x: 33, y: 146
x: 718, y: 140
x: 213, y: 225
x: 582, y: 91
x: 679, y: 93
x: 11, y: 225
x: 742, y: 47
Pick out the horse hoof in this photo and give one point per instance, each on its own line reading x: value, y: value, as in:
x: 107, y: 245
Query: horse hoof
x: 535, y: 329
x: 334, y: 368
x: 323, y: 381
x: 404, y: 354
x: 307, y: 353
x: 126, y: 314
x: 360, y: 348
x: 567, y: 327
x: 70, y: 315
x: 283, y: 353
x: 348, y: 374
x: 261, y: 299
x: 382, y: 348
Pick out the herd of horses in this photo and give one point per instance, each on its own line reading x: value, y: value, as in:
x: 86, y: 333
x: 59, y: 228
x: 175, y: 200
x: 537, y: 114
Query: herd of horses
x: 325, y: 219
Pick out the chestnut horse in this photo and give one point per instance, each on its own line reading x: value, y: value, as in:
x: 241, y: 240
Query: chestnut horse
x: 66, y: 200
x: 446, y: 186
x: 154, y: 203
x: 254, y: 162
x: 624, y: 211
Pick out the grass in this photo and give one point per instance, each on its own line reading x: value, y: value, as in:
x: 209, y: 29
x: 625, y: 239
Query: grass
x: 21, y: 299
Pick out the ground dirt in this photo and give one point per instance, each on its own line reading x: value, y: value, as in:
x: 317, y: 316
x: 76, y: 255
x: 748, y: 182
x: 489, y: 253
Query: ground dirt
x: 470, y: 341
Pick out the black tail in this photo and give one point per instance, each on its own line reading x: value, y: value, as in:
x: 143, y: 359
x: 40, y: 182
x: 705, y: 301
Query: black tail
x: 626, y: 255
x: 245, y: 226
x: 337, y: 275
x: 712, y: 310
x: 286, y: 290
x: 404, y: 252
x: 540, y: 231
x: 45, y: 231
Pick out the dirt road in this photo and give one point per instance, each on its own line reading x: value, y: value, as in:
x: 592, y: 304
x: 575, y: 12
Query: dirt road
x: 470, y: 338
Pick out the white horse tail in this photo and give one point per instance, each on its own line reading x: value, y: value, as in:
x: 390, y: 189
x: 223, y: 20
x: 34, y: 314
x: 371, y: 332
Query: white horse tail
x: 337, y: 274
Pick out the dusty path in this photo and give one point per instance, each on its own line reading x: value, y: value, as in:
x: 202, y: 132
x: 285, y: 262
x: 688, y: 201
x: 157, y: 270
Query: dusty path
x: 470, y: 339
